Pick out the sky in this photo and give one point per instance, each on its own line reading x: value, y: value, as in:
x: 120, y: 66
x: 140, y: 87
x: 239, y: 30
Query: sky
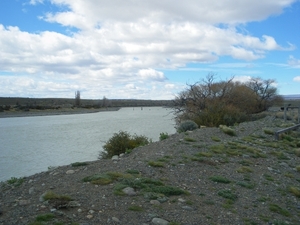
x: 144, y: 49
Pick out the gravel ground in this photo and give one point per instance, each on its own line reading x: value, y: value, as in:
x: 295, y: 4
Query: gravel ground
x: 192, y: 178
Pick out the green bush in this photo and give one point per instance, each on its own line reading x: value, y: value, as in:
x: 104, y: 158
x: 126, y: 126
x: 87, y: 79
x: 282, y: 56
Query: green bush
x: 121, y: 142
x: 187, y: 125
x: 163, y: 136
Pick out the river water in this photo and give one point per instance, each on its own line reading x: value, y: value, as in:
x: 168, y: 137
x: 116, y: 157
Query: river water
x: 29, y: 145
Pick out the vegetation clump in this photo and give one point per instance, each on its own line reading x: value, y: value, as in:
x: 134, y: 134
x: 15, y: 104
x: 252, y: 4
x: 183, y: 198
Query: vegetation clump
x: 187, y: 125
x: 121, y: 142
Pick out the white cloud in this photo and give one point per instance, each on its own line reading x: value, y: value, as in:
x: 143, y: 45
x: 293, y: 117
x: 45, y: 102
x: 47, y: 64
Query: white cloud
x: 126, y: 44
x: 293, y: 62
x: 297, y: 79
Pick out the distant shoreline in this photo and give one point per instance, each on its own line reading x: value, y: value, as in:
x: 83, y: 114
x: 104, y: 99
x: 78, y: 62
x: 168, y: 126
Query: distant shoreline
x: 53, y: 112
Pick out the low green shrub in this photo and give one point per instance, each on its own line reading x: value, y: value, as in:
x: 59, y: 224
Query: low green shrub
x: 122, y: 142
x: 187, y: 125
x: 163, y: 136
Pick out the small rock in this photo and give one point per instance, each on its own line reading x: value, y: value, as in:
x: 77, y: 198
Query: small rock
x: 79, y: 210
x: 187, y: 208
x: 129, y: 191
x: 181, y: 200
x: 154, y: 202
x: 31, y: 190
x: 115, y: 219
x: 89, y: 216
x: 122, y: 154
x: 91, y: 211
x: 30, y: 181
x: 115, y: 158
x: 24, y: 202
x: 159, y: 221
x: 70, y: 172
x: 73, y: 204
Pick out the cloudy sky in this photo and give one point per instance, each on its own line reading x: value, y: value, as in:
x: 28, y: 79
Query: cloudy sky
x: 145, y: 49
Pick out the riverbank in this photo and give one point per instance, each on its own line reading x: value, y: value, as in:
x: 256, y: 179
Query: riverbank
x: 200, y: 177
x: 50, y: 112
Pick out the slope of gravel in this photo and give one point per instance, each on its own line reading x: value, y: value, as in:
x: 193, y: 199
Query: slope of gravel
x: 261, y: 175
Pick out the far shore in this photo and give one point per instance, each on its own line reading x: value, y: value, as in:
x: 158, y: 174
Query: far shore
x: 52, y: 112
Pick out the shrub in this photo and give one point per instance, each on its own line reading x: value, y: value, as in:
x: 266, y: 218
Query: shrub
x: 122, y: 142
x: 163, y: 136
x: 187, y: 125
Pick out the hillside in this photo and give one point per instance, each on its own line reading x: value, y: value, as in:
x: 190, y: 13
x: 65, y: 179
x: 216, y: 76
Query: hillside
x: 200, y: 177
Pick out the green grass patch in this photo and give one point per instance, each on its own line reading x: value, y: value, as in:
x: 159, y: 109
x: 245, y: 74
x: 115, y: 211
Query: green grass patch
x: 268, y: 177
x: 268, y: 131
x: 244, y: 169
x: 246, y: 184
x: 135, y: 208
x: 16, y: 182
x: 277, y: 209
x: 228, y: 130
x: 51, y: 195
x: 215, y: 138
x: 188, y: 139
x: 105, y: 178
x: 228, y: 194
x: 220, y: 179
x: 295, y: 191
x: 204, y: 154
x: 44, y: 217
x: 156, y: 164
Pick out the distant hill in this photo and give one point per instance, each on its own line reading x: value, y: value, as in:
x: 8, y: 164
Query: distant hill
x: 291, y: 97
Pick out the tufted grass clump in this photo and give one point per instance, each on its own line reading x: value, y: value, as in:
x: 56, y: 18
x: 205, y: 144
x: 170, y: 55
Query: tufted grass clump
x: 106, y: 178
x: 227, y: 130
x: 156, y: 164
x: 16, y: 182
x: 228, y: 194
x: 277, y: 209
x: 295, y: 191
x: 51, y: 195
x: 122, y: 142
x: 220, y: 179
x: 163, y: 136
x: 187, y: 125
x: 268, y: 131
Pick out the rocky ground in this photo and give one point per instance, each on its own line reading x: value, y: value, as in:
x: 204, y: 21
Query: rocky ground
x: 200, y: 177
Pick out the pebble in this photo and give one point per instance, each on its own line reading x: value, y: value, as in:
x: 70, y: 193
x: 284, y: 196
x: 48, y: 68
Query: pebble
x: 24, y: 202
x: 79, y: 210
x: 159, y: 221
x: 115, y: 219
x: 91, y: 211
x: 129, y: 191
x: 31, y: 190
x: 89, y: 216
x: 115, y: 158
x: 70, y: 172
x: 154, y: 202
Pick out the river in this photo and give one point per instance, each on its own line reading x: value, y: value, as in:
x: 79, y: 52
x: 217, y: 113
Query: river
x: 30, y: 145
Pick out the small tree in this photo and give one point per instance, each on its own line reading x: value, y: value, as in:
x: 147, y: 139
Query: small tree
x: 77, y: 98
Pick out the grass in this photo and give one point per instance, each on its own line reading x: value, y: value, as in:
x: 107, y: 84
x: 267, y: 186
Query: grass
x: 16, y: 182
x: 44, y: 217
x: 244, y: 169
x: 295, y: 191
x: 277, y: 209
x: 156, y: 188
x: 188, y: 139
x: 135, y: 208
x: 105, y: 178
x: 228, y: 194
x: 51, y: 195
x: 268, y: 177
x: 156, y: 164
x: 246, y: 184
x: 215, y: 138
x: 220, y: 179
x: 228, y: 130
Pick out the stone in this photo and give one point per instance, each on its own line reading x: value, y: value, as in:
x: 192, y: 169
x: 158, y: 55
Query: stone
x: 91, y: 211
x: 115, y: 219
x: 129, y: 191
x: 70, y: 172
x: 89, y: 216
x: 115, y: 158
x: 31, y: 190
x: 154, y: 202
x: 159, y: 221
x: 24, y: 202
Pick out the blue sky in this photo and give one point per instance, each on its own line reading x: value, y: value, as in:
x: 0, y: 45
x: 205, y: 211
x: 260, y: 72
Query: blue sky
x: 146, y: 49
